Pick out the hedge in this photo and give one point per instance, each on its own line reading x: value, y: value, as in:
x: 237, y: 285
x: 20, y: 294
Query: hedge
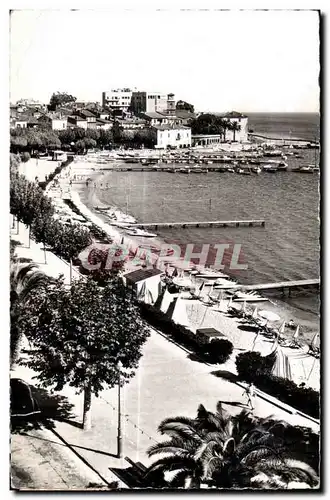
x: 186, y: 337
x: 252, y: 367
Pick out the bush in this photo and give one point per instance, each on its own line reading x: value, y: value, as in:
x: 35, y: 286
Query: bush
x: 252, y: 367
x: 218, y: 350
x: 25, y: 157
x: 162, y: 322
x: 251, y: 364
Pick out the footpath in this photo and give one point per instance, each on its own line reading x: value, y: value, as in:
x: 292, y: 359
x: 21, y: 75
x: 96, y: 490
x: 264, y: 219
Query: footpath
x: 167, y: 383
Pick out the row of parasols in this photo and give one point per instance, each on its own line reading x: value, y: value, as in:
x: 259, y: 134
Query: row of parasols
x: 265, y: 320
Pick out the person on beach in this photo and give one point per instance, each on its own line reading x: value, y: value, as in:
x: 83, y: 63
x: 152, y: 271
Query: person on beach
x: 250, y: 393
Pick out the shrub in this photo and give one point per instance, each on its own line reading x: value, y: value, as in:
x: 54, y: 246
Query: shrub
x: 252, y: 367
x: 218, y: 350
x: 251, y: 364
x: 162, y: 322
x: 25, y: 157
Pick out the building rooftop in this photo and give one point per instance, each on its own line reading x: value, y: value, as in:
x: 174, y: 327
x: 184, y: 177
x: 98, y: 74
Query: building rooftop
x: 141, y: 275
x: 88, y: 112
x: 77, y: 118
x: 209, y: 332
x: 154, y: 114
x: 234, y: 114
x: 169, y: 126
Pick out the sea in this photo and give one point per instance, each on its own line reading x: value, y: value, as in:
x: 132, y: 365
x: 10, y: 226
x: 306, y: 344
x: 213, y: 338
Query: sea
x: 287, y: 248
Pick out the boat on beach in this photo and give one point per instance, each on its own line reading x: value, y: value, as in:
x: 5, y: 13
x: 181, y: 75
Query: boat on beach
x: 140, y: 232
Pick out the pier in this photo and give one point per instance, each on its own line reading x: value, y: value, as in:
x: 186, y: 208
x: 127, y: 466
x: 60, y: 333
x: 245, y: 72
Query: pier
x: 282, y: 285
x: 215, y: 223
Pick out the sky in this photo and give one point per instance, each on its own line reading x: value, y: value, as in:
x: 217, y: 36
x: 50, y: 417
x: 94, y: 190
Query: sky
x: 252, y: 61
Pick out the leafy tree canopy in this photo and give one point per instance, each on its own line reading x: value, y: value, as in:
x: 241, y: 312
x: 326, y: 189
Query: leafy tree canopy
x: 185, y: 106
x: 79, y: 334
x: 60, y: 99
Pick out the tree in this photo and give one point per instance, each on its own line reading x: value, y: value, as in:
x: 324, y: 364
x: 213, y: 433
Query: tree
x: 218, y: 350
x: 60, y: 99
x: 80, y: 334
x: 14, y: 162
x: 185, y: 105
x: 28, y: 202
x: 17, y: 143
x: 24, y: 279
x: 25, y: 157
x: 235, y: 127
x: 224, y: 451
x: 116, y: 132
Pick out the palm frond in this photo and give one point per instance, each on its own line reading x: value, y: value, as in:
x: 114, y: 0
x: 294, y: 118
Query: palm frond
x: 167, y: 447
x: 168, y: 464
x: 179, y: 429
x: 179, y: 479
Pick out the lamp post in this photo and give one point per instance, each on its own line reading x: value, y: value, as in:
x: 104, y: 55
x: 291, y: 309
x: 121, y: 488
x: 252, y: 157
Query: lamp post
x: 119, y: 436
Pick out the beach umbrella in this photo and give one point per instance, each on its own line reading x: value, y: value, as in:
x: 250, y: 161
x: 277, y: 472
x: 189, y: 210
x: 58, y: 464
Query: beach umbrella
x: 313, y: 343
x: 211, y: 289
x: 201, y: 288
x: 183, y: 282
x: 282, y: 327
x: 269, y: 315
x: 281, y: 366
x: 296, y: 333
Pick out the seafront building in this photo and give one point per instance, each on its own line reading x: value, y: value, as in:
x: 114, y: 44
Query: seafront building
x: 174, y: 136
x: 148, y: 102
x: 117, y: 99
x: 241, y: 120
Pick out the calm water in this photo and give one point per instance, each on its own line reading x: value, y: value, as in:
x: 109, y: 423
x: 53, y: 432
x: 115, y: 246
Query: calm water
x: 287, y: 248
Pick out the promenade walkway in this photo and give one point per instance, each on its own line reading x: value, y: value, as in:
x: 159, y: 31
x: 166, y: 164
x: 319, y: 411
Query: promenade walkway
x: 167, y: 383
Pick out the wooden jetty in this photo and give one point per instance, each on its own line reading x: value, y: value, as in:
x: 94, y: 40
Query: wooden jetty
x: 214, y: 223
x: 282, y: 285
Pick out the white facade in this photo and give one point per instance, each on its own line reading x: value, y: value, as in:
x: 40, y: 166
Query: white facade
x: 175, y: 137
x: 242, y: 121
x: 156, y: 102
x: 59, y: 123
x: 119, y: 99
x: 149, y: 102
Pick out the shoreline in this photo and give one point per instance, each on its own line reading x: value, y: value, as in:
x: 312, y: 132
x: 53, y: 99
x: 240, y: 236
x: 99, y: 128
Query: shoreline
x: 286, y: 310
x: 198, y: 313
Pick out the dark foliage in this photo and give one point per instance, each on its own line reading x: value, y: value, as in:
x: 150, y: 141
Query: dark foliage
x: 252, y: 367
x: 218, y: 350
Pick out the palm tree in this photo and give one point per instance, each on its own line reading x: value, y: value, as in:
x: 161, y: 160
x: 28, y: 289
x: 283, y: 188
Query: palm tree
x: 223, y: 451
x: 235, y: 127
x: 24, y: 279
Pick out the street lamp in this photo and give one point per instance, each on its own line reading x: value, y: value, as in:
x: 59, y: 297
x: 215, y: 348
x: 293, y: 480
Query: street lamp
x: 119, y: 436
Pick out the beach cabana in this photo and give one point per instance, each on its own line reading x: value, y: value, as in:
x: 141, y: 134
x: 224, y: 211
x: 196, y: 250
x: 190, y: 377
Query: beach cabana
x: 179, y: 314
x: 148, y: 278
x: 281, y: 367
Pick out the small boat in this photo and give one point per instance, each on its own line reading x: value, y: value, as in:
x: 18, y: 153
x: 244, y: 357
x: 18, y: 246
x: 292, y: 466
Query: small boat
x: 306, y: 170
x: 102, y: 209
x: 243, y: 171
x: 270, y: 169
x: 256, y: 170
x: 251, y: 298
x: 230, y: 170
x: 140, y: 232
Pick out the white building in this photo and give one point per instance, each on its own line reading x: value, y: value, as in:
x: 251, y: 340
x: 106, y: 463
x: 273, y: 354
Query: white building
x: 242, y: 122
x: 149, y: 102
x: 117, y: 99
x: 174, y: 136
x: 59, y: 123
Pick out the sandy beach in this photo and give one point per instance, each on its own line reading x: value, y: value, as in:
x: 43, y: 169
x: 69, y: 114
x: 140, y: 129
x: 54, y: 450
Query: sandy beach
x: 306, y: 369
